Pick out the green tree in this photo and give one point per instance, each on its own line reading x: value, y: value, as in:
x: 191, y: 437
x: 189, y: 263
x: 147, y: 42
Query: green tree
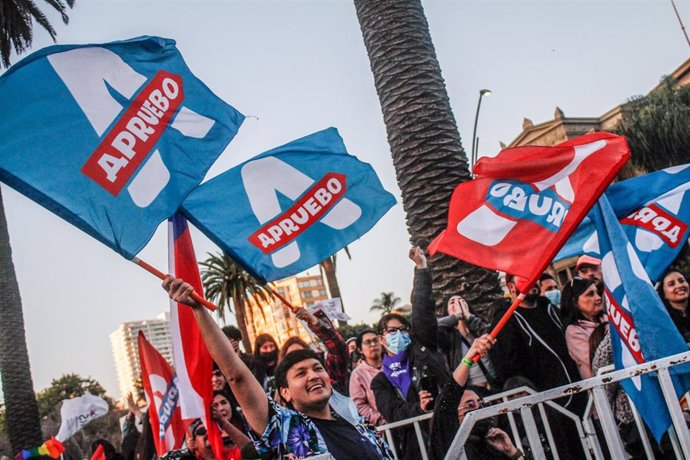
x: 351, y: 330
x: 386, y: 303
x: 66, y: 387
x: 16, y: 24
x: 228, y: 285
x: 657, y: 126
x: 425, y: 143
x: 23, y: 425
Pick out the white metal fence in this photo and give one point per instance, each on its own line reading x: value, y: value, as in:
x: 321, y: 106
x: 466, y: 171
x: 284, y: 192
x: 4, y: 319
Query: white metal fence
x: 509, y: 404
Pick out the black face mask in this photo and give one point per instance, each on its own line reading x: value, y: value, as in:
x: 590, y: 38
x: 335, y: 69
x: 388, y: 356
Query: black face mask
x: 482, y: 427
x: 269, y: 357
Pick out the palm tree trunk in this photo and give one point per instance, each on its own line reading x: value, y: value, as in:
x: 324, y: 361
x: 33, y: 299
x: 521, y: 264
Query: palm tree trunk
x: 241, y: 317
x: 424, y: 139
x: 328, y: 266
x: 23, y: 422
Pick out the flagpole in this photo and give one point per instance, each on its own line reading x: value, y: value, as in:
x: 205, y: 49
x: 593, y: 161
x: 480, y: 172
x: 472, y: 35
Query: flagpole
x: 504, y: 319
x: 282, y: 299
x: 155, y: 272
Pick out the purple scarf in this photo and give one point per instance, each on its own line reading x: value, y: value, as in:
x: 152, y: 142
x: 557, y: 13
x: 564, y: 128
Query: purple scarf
x: 397, y: 370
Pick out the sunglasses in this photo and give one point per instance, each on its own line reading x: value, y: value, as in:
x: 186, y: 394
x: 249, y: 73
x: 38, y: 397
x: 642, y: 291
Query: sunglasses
x: 201, y: 431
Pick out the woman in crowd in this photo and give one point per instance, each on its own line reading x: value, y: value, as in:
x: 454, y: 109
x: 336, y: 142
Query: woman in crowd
x: 486, y: 441
x: 457, y: 331
x: 413, y: 371
x: 265, y: 361
x: 369, y: 349
x: 582, y: 309
x: 674, y: 290
x: 234, y: 438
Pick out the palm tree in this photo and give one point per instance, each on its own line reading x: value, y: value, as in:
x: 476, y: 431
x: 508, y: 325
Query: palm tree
x: 425, y: 143
x: 328, y: 268
x: 228, y: 285
x: 386, y: 303
x: 16, y: 24
x: 23, y: 423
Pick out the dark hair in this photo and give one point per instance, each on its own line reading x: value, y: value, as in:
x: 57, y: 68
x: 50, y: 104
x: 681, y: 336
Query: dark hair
x: 518, y: 381
x: 383, y: 322
x: 232, y: 333
x: 290, y: 342
x: 360, y: 336
x: 546, y: 276
x: 660, y: 286
x: 510, y: 278
x: 260, y: 340
x: 572, y: 290
x: 108, y: 449
x: 596, y: 338
x: 290, y: 360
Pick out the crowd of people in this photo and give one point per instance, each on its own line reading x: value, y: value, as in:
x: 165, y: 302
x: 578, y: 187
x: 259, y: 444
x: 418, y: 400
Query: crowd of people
x: 292, y: 402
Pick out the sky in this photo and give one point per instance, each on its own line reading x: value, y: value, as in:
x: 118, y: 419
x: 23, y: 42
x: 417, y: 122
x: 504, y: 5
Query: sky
x: 296, y: 67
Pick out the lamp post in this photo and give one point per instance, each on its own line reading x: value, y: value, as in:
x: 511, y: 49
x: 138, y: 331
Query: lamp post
x: 473, y: 156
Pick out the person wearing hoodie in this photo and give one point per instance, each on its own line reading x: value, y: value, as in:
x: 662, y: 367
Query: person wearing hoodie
x: 264, y: 361
x: 413, y: 370
x: 369, y: 348
x: 582, y: 309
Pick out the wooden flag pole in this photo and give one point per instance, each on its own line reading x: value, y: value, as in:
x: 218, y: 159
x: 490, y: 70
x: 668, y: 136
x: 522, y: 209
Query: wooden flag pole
x: 155, y: 272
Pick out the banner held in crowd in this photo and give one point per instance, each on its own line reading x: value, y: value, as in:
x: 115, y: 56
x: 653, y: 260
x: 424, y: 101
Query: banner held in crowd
x: 640, y: 327
x: 77, y: 412
x: 288, y: 209
x: 163, y: 395
x: 528, y: 194
x: 193, y: 363
x: 654, y: 211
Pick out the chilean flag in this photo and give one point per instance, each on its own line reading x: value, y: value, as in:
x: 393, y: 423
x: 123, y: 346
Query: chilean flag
x: 163, y: 395
x: 192, y: 359
x: 526, y: 201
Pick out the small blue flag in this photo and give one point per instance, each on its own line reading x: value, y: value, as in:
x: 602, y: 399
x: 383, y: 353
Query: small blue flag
x: 654, y: 211
x: 288, y: 209
x: 110, y: 137
x: 641, y: 328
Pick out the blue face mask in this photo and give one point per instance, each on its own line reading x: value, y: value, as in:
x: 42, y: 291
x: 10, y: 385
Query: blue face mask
x: 398, y: 341
x: 554, y: 296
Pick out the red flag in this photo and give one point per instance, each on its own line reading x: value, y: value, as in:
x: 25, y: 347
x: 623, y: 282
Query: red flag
x: 527, y: 201
x: 163, y: 395
x: 192, y: 360
x: 99, y: 453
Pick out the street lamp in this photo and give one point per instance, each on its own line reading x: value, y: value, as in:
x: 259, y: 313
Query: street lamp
x: 473, y: 158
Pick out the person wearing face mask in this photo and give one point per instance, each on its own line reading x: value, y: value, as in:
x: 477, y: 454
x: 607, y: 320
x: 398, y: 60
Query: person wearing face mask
x: 532, y: 344
x: 549, y: 289
x: 413, y: 370
x: 486, y: 441
x: 265, y: 360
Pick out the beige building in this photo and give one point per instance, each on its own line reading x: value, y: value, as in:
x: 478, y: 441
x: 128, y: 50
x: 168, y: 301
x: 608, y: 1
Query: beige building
x: 126, y: 349
x: 563, y: 128
x: 277, y: 320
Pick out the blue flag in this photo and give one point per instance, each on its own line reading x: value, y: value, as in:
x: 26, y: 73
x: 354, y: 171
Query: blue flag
x: 641, y: 328
x: 110, y: 137
x: 288, y: 209
x: 654, y: 211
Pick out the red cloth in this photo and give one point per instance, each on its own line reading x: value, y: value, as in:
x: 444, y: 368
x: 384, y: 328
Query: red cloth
x: 526, y: 202
x: 99, y: 454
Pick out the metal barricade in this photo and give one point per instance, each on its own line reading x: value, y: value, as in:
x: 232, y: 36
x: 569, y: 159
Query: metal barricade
x: 403, y: 424
x: 596, y: 385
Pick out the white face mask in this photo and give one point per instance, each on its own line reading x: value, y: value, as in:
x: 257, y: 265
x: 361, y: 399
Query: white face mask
x: 554, y: 297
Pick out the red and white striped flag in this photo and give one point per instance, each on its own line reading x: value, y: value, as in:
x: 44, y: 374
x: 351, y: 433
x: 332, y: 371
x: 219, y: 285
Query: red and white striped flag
x: 192, y: 360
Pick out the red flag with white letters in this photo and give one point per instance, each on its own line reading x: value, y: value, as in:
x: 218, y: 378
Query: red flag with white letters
x: 526, y: 202
x: 163, y: 395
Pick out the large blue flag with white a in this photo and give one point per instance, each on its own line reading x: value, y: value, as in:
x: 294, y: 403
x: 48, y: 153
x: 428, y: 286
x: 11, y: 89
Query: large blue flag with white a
x: 110, y: 137
x: 654, y: 211
x: 641, y: 328
x: 287, y: 209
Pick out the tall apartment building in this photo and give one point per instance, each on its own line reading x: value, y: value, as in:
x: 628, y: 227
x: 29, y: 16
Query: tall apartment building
x: 126, y: 349
x: 300, y: 291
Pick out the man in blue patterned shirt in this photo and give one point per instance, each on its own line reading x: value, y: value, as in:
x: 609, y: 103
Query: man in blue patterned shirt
x: 316, y: 421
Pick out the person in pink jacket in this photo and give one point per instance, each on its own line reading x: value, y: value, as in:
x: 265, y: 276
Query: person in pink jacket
x: 369, y: 348
x: 583, y: 310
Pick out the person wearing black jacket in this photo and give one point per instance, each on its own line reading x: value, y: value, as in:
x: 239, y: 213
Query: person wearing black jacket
x: 413, y: 370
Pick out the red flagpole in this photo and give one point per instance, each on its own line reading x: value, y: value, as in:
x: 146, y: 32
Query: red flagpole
x: 155, y: 272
